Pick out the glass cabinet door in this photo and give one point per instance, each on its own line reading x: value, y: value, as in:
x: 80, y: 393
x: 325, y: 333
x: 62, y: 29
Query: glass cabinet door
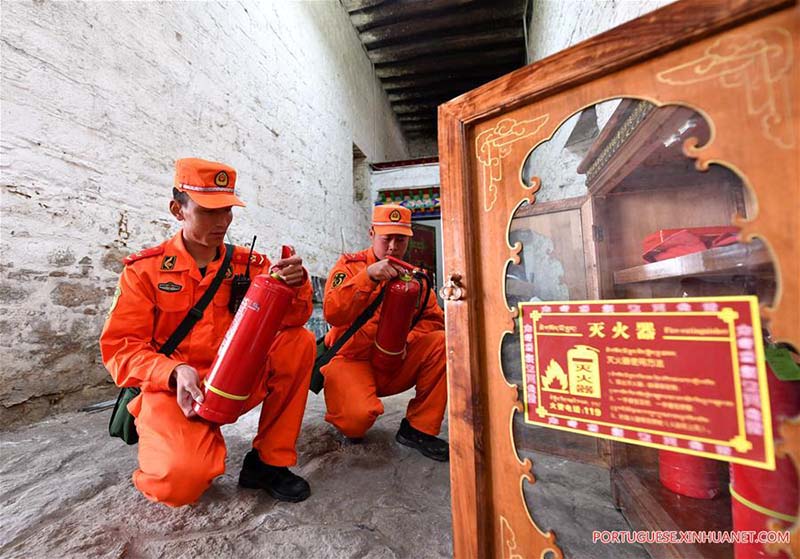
x: 616, y: 191
x: 621, y: 284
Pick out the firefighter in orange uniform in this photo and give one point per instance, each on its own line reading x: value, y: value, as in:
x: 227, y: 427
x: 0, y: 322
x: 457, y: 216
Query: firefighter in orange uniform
x: 352, y: 387
x: 180, y: 454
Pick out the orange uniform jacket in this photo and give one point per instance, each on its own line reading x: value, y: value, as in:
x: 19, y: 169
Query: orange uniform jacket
x: 349, y: 290
x: 156, y: 290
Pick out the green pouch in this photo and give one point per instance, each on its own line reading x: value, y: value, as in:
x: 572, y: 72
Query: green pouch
x: 122, y: 422
x: 317, y: 380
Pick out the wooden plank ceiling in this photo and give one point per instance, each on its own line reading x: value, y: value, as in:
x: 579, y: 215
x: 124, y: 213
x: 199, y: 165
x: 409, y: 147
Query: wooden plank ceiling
x: 426, y: 52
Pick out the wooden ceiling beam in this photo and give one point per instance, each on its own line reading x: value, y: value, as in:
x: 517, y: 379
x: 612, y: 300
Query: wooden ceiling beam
x: 447, y: 45
x: 446, y: 89
x: 356, y: 5
x: 418, y: 117
x: 420, y: 127
x: 426, y: 52
x: 394, y: 12
x: 410, y: 108
x: 485, y: 59
x: 479, y: 74
x: 414, y: 135
x: 456, y: 23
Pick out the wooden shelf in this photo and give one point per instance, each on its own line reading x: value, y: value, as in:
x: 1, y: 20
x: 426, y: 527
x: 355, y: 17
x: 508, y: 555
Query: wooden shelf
x: 647, y: 505
x: 739, y: 258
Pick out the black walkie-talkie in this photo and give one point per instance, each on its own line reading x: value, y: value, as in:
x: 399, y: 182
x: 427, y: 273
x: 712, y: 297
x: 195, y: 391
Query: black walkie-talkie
x: 240, y: 284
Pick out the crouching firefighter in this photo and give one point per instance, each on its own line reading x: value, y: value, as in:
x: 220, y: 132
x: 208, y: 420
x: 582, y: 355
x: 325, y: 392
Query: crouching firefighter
x: 148, y: 342
x: 399, y: 347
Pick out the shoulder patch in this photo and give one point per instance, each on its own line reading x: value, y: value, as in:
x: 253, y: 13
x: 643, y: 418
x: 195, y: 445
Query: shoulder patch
x: 146, y: 253
x: 338, y: 279
x: 355, y: 257
x: 241, y: 258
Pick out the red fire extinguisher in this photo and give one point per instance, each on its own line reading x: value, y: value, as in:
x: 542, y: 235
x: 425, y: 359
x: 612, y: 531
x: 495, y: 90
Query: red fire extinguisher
x: 762, y: 499
x: 243, y: 352
x: 688, y: 475
x: 401, y: 299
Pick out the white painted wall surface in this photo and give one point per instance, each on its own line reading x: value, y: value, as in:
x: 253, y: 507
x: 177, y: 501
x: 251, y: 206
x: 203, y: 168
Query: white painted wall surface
x: 559, y: 24
x: 398, y: 178
x: 100, y: 98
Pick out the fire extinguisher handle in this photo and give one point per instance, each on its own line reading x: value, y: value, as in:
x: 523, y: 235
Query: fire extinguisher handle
x: 287, y: 251
x: 402, y: 263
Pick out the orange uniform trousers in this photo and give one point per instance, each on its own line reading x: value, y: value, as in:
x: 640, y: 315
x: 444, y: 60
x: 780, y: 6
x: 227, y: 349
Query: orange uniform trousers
x: 179, y: 457
x: 353, y: 388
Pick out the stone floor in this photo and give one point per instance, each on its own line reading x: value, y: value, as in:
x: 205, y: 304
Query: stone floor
x: 574, y: 499
x: 65, y: 491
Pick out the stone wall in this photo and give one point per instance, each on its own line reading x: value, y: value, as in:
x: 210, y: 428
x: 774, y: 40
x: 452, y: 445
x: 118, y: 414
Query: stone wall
x: 99, y: 99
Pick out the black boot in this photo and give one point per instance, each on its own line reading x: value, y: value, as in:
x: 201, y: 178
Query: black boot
x: 278, y: 481
x: 428, y: 445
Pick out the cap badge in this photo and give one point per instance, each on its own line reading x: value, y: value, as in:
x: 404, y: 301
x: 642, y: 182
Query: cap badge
x: 395, y: 215
x: 221, y: 179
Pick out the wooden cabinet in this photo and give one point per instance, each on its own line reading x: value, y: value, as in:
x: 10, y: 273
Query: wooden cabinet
x: 658, y: 160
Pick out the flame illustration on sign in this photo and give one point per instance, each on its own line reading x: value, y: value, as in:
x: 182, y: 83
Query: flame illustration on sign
x: 554, y: 373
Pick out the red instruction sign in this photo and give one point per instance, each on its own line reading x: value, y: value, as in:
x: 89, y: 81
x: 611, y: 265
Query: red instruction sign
x: 685, y: 375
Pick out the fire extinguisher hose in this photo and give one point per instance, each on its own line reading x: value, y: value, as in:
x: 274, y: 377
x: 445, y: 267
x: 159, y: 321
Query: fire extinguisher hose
x: 761, y: 509
x: 424, y: 284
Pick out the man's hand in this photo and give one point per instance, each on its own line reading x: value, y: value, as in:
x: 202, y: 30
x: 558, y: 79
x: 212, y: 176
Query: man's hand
x: 384, y: 270
x: 291, y: 270
x: 186, y: 382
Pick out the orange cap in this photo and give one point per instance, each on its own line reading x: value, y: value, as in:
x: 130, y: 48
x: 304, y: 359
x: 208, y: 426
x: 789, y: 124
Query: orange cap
x: 391, y: 219
x: 208, y: 183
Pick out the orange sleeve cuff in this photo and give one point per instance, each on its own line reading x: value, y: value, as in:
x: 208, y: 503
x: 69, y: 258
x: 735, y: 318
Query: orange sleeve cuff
x: 302, y: 306
x: 158, y: 379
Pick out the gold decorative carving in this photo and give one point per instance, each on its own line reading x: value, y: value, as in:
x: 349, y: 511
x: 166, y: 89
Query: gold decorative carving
x: 789, y: 430
x: 761, y: 65
x: 637, y: 116
x: 492, y: 145
x: 509, y: 540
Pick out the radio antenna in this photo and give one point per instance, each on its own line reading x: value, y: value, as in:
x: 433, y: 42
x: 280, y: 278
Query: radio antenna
x: 250, y: 256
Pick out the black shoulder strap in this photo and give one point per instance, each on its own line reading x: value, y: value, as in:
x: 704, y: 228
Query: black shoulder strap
x: 357, y: 324
x: 196, y: 312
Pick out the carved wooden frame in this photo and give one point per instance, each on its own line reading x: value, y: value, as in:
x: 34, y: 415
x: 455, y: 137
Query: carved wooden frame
x: 487, y: 521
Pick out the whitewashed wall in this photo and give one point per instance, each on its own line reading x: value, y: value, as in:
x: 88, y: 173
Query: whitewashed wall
x: 100, y: 98
x: 559, y: 24
x: 398, y: 178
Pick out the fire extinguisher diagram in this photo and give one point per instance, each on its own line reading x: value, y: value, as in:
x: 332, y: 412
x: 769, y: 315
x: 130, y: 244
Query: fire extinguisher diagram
x: 401, y: 298
x: 243, y: 353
